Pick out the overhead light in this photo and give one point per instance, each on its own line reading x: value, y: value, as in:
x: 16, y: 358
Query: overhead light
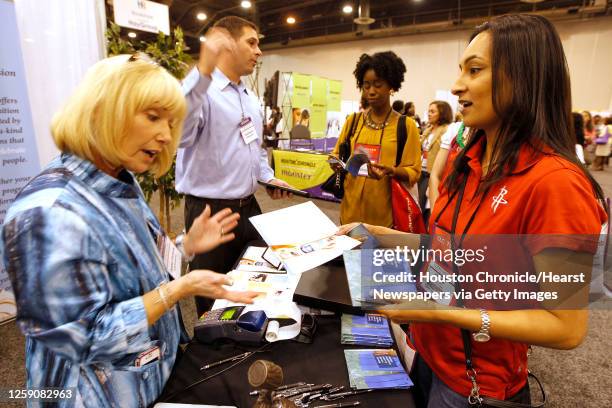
x: 132, y: 34
x: 245, y: 4
x: 202, y: 38
x: 348, y: 9
x: 202, y: 16
x: 290, y: 20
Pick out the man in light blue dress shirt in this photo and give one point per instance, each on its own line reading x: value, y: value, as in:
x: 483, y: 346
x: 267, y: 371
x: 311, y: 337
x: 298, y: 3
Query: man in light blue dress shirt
x: 220, y: 157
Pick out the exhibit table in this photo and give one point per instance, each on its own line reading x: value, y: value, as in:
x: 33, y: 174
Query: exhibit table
x: 320, y: 362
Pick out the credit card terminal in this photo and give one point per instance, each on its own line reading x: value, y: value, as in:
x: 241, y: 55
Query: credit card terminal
x: 233, y: 323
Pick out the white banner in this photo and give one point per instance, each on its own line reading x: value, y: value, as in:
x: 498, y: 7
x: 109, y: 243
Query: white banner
x: 142, y: 15
x: 18, y: 155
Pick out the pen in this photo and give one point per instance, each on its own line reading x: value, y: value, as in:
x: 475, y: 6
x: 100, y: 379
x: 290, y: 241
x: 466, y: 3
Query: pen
x: 282, y: 387
x: 331, y: 397
x: 340, y: 405
x: 226, y: 360
x: 294, y: 385
x: 303, y: 390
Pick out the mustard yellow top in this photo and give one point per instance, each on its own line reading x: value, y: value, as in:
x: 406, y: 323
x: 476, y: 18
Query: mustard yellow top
x: 369, y: 200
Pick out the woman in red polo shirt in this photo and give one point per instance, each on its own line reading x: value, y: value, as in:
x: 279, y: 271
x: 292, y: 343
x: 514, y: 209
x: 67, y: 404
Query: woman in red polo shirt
x: 518, y: 175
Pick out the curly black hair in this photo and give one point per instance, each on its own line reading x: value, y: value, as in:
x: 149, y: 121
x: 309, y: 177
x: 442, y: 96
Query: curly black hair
x: 387, y: 65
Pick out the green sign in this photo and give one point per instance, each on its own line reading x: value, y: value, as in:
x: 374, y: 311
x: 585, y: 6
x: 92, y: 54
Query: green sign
x: 333, y: 95
x: 300, y: 97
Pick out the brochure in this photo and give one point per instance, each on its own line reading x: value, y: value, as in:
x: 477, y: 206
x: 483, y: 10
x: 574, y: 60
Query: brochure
x: 364, y: 289
x: 254, y: 260
x: 353, y: 164
x: 369, y: 330
x: 274, y: 286
x: 377, y: 369
x: 302, y: 236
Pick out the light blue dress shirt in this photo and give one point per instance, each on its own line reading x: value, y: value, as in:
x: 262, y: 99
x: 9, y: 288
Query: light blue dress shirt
x: 79, y: 248
x: 213, y: 161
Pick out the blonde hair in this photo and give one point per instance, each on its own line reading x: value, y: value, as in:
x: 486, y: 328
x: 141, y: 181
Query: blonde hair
x: 101, y: 111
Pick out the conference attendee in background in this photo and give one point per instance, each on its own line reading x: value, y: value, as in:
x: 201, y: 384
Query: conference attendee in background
x: 519, y: 165
x: 410, y: 111
x: 597, y: 121
x: 367, y: 197
x: 304, y: 118
x: 398, y: 106
x: 452, y: 141
x: 602, y: 144
x: 273, y: 128
x: 220, y: 157
x: 589, y: 138
x: 80, y: 243
x: 439, y: 116
x: 579, y: 131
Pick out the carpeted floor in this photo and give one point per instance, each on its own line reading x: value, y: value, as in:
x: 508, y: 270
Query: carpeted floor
x: 577, y: 378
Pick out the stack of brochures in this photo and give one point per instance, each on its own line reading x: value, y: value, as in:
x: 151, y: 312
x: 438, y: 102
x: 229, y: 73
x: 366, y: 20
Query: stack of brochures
x: 375, y: 368
x: 367, y: 282
x: 369, y: 330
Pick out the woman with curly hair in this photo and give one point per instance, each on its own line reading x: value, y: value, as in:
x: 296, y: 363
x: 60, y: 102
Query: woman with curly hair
x: 367, y: 196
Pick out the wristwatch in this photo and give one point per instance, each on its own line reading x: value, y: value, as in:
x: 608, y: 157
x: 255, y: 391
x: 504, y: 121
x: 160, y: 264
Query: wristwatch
x: 483, y: 335
x: 179, y: 242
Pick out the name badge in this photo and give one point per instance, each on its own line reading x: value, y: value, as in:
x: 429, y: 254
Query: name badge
x: 247, y: 130
x: 146, y: 357
x: 372, y: 151
x: 170, y: 255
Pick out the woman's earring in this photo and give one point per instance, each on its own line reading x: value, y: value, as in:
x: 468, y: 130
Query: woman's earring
x: 391, y: 92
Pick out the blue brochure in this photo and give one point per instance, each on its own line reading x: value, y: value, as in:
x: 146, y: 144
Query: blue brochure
x: 377, y: 368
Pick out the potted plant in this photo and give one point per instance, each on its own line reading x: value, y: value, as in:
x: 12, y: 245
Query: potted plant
x: 169, y: 52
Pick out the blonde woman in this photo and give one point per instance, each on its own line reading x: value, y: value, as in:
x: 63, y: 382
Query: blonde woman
x: 94, y: 299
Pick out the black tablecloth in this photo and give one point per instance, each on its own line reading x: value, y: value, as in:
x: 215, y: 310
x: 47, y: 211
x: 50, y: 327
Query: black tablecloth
x: 320, y: 362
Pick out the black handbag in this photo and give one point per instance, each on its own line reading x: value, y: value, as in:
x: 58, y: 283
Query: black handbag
x: 335, y: 183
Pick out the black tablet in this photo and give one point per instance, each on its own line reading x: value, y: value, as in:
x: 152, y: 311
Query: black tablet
x: 295, y: 191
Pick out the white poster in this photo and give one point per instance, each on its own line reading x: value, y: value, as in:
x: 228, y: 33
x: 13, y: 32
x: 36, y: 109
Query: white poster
x: 142, y: 15
x: 18, y: 155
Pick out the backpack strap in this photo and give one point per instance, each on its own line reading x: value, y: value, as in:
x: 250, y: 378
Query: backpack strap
x: 402, y: 136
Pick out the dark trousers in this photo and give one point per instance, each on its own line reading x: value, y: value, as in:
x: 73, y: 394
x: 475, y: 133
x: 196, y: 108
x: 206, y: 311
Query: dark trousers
x: 423, y: 184
x: 223, y: 258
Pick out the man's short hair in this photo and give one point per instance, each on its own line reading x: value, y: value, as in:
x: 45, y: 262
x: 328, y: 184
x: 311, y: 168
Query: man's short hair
x: 235, y: 25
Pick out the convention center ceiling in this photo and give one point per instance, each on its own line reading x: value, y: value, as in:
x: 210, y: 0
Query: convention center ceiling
x: 307, y: 22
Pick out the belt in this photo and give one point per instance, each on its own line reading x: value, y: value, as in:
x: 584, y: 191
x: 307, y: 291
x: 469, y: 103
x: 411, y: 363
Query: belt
x: 236, y: 202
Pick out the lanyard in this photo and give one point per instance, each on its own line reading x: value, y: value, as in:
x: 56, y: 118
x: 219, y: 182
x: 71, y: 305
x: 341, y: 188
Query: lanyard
x: 460, y: 141
x: 382, y: 132
x: 235, y: 87
x: 461, y: 192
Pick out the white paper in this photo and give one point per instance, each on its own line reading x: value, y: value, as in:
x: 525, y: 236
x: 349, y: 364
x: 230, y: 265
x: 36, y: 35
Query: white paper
x: 274, y: 286
x: 253, y: 261
x: 302, y: 236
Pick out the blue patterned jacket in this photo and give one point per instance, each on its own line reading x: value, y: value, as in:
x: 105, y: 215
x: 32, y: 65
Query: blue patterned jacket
x: 79, y: 248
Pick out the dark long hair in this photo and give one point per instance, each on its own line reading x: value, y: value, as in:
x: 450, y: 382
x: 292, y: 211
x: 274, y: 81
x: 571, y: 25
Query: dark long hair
x: 531, y: 95
x: 578, y: 128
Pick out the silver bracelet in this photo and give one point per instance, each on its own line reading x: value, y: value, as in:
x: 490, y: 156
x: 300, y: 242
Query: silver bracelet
x: 162, y: 298
x: 179, y: 243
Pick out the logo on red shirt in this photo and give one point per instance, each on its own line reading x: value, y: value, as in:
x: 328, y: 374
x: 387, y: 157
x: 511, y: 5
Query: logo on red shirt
x: 499, y: 199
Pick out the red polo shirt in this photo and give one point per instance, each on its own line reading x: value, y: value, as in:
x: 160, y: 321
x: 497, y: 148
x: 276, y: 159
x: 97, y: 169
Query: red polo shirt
x: 545, y: 194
